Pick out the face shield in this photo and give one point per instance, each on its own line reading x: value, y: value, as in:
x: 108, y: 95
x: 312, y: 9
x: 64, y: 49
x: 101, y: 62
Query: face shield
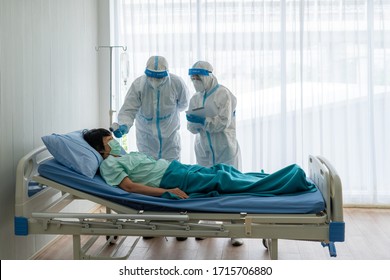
x: 156, y: 74
x: 156, y: 70
x: 156, y: 78
x: 198, y: 78
x: 198, y: 71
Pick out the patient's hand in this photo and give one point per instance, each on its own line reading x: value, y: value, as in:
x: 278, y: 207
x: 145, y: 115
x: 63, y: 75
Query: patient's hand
x: 178, y: 192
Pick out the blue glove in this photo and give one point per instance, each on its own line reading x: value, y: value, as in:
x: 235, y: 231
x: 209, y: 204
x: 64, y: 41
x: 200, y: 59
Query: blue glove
x: 121, y: 130
x: 195, y: 119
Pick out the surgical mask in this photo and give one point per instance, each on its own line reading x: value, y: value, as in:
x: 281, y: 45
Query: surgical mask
x: 116, y: 148
x: 155, y: 82
x: 198, y: 85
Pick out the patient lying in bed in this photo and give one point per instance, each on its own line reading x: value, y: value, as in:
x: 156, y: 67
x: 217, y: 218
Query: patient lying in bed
x: 137, y: 173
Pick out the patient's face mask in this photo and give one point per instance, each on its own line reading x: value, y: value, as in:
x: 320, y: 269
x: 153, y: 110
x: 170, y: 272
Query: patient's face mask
x: 116, y: 148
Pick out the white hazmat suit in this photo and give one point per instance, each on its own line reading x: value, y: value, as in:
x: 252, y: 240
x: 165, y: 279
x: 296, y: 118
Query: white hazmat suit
x: 215, y: 131
x: 155, y: 101
x: 211, y: 116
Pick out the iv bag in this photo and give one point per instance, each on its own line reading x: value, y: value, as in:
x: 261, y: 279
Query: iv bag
x: 124, y: 67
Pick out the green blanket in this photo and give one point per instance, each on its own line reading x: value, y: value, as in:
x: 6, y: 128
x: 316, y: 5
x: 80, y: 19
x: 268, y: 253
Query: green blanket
x: 221, y: 179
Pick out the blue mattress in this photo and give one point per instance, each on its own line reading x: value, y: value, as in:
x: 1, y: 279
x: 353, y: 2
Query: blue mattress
x: 308, y: 203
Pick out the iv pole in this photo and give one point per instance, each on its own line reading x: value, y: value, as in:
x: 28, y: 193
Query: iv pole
x: 124, y: 48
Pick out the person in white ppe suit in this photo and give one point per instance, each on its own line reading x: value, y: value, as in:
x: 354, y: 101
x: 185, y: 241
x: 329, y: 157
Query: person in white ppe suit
x: 154, y: 101
x: 211, y: 116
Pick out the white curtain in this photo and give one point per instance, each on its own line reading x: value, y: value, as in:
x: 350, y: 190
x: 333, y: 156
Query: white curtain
x: 311, y: 77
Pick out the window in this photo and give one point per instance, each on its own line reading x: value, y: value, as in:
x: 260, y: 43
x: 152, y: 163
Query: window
x: 311, y: 77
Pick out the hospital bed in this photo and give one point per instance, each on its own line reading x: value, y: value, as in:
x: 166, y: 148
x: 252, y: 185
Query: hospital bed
x: 45, y: 187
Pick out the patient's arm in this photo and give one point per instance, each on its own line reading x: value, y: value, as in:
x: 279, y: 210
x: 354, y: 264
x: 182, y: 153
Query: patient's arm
x: 130, y: 186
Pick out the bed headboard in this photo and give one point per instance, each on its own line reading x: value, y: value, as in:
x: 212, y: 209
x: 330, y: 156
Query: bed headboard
x: 26, y: 203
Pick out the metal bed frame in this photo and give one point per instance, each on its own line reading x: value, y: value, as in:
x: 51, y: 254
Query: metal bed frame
x: 41, y: 214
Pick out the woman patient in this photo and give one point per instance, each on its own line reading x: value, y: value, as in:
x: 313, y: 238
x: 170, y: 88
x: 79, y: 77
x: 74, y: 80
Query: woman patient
x: 137, y: 173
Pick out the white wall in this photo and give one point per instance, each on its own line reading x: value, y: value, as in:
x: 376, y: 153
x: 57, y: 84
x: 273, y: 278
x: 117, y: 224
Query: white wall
x: 48, y: 83
x: 104, y: 62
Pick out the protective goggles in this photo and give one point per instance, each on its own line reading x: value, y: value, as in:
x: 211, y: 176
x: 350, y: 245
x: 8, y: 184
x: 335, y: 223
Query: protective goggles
x: 198, y: 71
x: 156, y: 74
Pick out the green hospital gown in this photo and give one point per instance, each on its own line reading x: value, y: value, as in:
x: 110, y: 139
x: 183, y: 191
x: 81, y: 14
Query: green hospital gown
x: 137, y: 166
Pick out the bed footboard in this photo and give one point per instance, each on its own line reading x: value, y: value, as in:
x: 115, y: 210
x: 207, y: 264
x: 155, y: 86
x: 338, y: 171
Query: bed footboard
x: 322, y: 172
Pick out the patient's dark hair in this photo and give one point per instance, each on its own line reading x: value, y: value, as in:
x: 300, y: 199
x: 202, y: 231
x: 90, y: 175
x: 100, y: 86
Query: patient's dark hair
x: 94, y: 137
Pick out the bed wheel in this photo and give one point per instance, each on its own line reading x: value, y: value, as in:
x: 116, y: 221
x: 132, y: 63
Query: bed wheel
x: 332, y: 248
x: 265, y: 243
x: 114, y: 239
